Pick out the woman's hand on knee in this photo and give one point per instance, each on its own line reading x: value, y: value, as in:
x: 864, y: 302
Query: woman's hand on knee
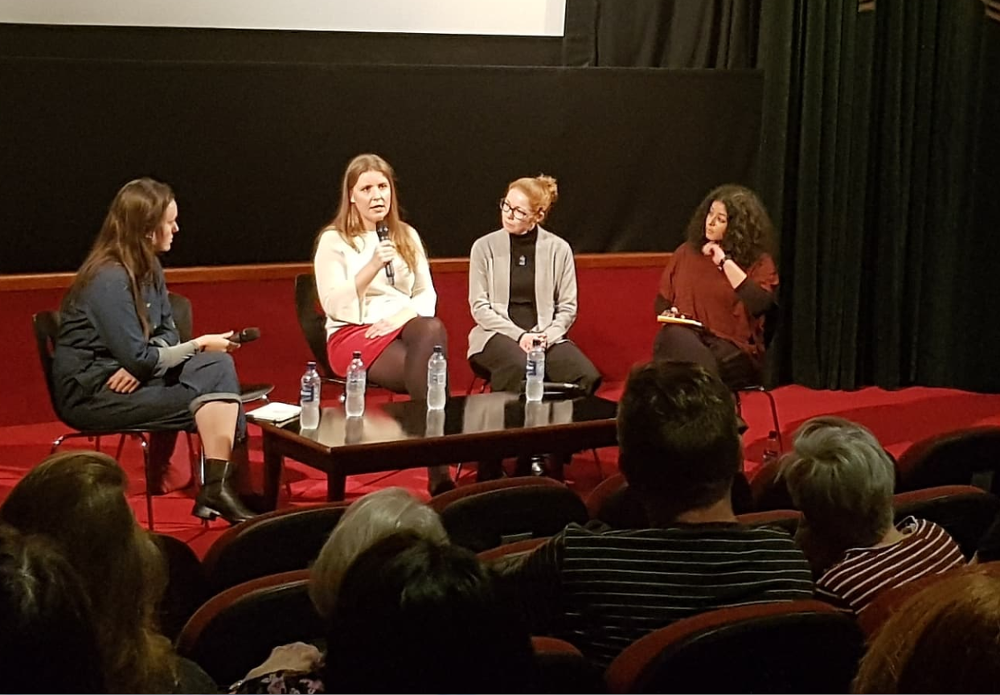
x: 388, y: 325
x: 527, y: 341
x: 122, y: 382
x: 216, y: 342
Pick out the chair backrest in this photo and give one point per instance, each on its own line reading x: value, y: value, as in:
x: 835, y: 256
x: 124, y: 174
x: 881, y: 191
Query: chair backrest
x: 487, y: 515
x: 616, y: 504
x: 237, y: 629
x: 312, y: 320
x: 562, y: 668
x: 969, y: 456
x: 793, y: 646
x: 186, y: 586
x: 46, y: 328
x: 278, y: 541
x: 180, y: 307
x: 964, y: 511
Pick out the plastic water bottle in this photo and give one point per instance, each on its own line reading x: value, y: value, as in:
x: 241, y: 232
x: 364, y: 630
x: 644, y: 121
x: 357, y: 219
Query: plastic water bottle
x: 772, y: 449
x: 309, y: 394
x: 437, y: 379
x: 356, y: 380
x: 534, y: 372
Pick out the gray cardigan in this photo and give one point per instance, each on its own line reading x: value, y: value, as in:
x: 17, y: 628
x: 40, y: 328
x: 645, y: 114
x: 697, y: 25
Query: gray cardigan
x: 489, y: 288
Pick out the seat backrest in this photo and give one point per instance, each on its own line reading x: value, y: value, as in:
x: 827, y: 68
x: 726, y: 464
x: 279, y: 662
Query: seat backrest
x: 46, y: 328
x: 487, y: 515
x: 180, y: 307
x: 186, y: 587
x: 278, y: 541
x: 562, y: 668
x: 237, y: 629
x: 964, y: 511
x: 969, y: 456
x: 312, y: 320
x: 793, y: 646
x: 616, y: 504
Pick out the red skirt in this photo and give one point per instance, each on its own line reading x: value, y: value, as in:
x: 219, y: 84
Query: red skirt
x: 341, y: 346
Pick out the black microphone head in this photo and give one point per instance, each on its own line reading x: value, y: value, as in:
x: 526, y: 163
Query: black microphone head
x: 247, y: 335
x: 382, y: 229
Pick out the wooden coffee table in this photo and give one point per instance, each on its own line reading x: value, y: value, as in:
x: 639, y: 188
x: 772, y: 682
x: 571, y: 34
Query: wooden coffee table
x: 400, y: 435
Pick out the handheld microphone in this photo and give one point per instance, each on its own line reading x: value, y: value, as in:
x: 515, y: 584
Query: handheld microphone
x: 382, y: 229
x: 247, y: 335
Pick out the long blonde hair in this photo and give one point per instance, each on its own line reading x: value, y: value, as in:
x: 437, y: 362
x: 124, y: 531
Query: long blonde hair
x: 347, y: 222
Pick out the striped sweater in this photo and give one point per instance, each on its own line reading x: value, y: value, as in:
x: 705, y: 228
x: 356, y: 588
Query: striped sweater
x: 864, y: 573
x: 604, y: 590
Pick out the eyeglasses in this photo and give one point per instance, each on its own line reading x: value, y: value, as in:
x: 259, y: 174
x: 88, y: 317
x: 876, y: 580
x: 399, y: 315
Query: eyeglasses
x: 508, y: 209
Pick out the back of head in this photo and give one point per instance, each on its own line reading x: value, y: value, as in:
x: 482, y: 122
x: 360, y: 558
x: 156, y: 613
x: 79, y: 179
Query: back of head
x: 418, y: 616
x: 78, y: 500
x: 48, y: 641
x: 842, y: 480
x: 367, y: 520
x: 945, y: 639
x: 678, y: 439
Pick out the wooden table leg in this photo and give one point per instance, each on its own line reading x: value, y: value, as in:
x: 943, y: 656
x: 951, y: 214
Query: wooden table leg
x: 273, y: 465
x: 336, y: 486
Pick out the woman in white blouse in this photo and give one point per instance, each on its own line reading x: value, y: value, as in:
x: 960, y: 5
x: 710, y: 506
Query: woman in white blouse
x: 376, y: 288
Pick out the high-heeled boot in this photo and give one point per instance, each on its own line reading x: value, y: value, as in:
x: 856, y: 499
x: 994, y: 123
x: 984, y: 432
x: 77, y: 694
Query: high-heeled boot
x: 217, y: 497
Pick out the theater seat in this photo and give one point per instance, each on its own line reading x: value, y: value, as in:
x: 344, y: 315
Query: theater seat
x: 489, y: 514
x: 964, y: 511
x: 237, y: 629
x: 969, y: 456
x: 788, y: 647
x: 279, y: 541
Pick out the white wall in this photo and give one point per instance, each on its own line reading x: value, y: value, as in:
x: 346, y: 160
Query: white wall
x: 511, y: 17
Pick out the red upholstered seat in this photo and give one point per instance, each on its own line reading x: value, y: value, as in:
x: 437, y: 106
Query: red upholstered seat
x: 969, y: 456
x: 794, y: 646
x: 964, y: 511
x: 278, y: 541
x: 488, y: 514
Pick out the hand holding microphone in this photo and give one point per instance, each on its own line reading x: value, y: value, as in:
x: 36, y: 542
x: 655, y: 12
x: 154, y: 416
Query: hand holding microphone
x: 382, y: 229
x: 226, y: 342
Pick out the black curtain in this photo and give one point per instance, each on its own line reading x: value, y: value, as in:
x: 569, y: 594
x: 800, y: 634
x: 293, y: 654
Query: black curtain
x: 879, y: 164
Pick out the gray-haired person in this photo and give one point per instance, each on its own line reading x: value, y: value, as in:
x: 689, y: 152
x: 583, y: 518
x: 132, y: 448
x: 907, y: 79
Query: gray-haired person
x: 842, y: 480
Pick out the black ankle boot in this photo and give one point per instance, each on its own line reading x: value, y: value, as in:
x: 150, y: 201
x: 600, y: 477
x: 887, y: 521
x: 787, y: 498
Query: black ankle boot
x: 217, y: 498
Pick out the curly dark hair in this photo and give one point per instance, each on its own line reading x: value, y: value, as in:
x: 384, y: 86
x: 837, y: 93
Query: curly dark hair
x: 750, y: 232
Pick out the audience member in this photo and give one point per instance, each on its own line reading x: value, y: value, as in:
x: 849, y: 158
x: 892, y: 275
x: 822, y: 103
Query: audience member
x: 78, y: 500
x: 680, y: 450
x: 296, y: 667
x: 418, y: 616
x: 944, y: 639
x: 842, y: 480
x: 48, y: 639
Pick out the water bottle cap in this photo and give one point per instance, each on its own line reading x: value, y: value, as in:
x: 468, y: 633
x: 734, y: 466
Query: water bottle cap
x: 438, y: 349
x: 357, y: 354
x: 311, y: 364
x: 536, y: 342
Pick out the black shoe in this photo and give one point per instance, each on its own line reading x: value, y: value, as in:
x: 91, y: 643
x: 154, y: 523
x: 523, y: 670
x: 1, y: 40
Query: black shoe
x: 216, y: 498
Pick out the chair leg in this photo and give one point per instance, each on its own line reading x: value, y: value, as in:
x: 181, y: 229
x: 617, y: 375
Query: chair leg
x: 597, y: 462
x: 774, y: 418
x: 144, y: 443
x: 121, y: 445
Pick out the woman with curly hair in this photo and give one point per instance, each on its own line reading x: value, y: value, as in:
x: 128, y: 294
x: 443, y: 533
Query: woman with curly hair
x: 77, y: 499
x: 724, y: 278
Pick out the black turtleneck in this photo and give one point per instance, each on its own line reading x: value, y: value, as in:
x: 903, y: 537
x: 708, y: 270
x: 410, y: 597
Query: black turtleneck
x: 522, y: 310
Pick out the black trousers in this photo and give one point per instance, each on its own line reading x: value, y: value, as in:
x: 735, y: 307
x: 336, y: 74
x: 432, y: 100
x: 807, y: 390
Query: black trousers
x: 505, y: 362
x: 721, y: 357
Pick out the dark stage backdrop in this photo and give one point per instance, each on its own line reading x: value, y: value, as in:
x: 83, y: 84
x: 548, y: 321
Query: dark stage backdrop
x: 255, y: 151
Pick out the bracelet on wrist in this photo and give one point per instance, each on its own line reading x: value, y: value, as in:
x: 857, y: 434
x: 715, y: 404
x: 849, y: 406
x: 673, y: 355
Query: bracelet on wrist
x: 722, y: 263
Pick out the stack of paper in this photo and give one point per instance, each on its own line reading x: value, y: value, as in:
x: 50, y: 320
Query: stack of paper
x: 275, y: 413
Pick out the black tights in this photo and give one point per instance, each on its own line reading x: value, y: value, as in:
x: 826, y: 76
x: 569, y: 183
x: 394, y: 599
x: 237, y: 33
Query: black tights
x: 402, y: 367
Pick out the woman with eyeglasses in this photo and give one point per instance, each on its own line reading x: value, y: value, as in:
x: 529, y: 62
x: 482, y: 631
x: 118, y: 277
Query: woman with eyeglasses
x: 374, y: 283
x: 522, y: 288
x: 725, y: 278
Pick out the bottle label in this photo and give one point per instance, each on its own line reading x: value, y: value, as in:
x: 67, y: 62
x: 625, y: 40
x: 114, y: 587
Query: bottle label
x: 532, y: 368
x: 307, y: 394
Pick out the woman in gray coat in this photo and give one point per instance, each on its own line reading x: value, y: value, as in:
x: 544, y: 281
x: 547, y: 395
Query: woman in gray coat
x: 522, y: 287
